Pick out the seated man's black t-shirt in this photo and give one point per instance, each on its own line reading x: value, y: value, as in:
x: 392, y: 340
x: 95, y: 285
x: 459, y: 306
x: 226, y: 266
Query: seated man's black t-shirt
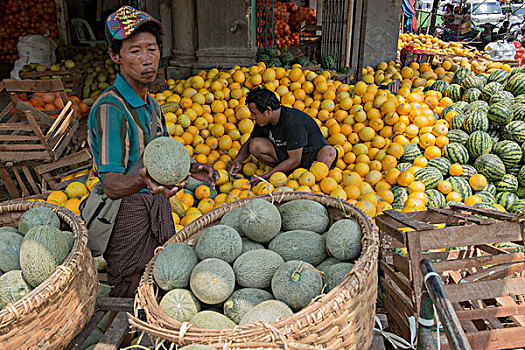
x: 294, y: 130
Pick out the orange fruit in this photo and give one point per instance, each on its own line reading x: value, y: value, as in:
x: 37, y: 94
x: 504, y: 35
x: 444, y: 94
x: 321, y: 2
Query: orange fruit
x: 455, y: 169
x: 328, y: 184
x: 445, y: 187
x: 203, y: 191
x: 478, y: 182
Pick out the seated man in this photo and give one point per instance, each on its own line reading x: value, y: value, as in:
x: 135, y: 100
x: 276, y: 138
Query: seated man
x: 284, y: 138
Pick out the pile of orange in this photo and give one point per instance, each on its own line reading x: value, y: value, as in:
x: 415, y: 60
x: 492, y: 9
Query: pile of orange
x: 52, y: 101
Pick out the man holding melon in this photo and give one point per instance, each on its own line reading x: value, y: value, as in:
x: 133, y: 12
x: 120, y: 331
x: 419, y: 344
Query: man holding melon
x: 284, y: 138
x: 132, y: 214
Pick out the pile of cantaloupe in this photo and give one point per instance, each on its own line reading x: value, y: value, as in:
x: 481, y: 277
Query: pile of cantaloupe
x: 261, y: 263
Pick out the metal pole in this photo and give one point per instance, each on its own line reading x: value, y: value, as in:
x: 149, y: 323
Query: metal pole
x: 451, y: 325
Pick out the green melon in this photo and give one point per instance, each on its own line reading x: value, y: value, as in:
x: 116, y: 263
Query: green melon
x: 37, y: 216
x: 302, y: 245
x: 517, y: 207
x: 221, y: 242
x: 468, y: 171
x: 461, y: 186
x: 479, y: 142
x: 471, y: 95
x: 490, y: 166
x: 70, y: 237
x: 42, y: 250
x: 472, y: 81
x: 249, y: 245
x: 335, y: 274
x: 167, y: 161
x: 343, y: 240
x: 212, y: 281
x: 509, y: 152
x: 268, y: 312
x: 180, y: 305
x: 13, y: 287
x: 173, y: 266
x: 231, y: 219
x: 457, y: 121
x: 486, y: 197
x: 500, y: 113
x: 439, y: 85
x: 256, y: 268
x: 518, y: 111
x: 330, y: 261
x: 461, y: 74
x: 476, y: 121
x: 490, y: 89
x: 490, y: 188
x: 436, y: 199
x: 296, y: 283
x: 509, y: 183
x: 456, y: 153
x: 521, y: 176
x: 499, y: 75
x: 506, y: 199
x: 243, y: 300
x: 410, y: 152
x: 514, y: 131
x: 260, y: 220
x: 519, y: 98
x: 10, y: 243
x: 516, y: 84
x: 9, y: 229
x: 403, y: 166
x: 502, y: 96
x: 477, y: 106
x: 304, y: 214
x: 457, y: 136
x: 211, y: 320
x: 429, y: 176
x: 440, y: 163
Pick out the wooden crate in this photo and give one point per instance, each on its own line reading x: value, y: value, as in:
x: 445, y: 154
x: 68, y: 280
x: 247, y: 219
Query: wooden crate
x: 29, y: 134
x: 72, y: 79
x: 476, y: 273
x: 34, y: 178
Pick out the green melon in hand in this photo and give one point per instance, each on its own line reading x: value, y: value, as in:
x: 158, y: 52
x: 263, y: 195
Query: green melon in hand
x: 243, y: 300
x: 37, y: 216
x: 343, y: 240
x: 13, y: 287
x: 180, y: 305
x: 173, y: 266
x: 212, y: 281
x: 167, y: 161
x: 221, y: 242
x: 296, y: 283
x: 42, y: 250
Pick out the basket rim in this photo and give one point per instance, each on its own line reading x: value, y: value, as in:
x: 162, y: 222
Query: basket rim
x: 56, y: 284
x: 324, y: 303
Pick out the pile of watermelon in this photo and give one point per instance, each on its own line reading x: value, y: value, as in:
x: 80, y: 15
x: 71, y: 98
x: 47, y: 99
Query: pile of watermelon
x: 31, y: 253
x: 261, y: 263
x: 487, y: 139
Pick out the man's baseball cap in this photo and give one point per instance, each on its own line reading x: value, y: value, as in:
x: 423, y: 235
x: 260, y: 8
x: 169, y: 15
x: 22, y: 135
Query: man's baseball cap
x: 122, y: 23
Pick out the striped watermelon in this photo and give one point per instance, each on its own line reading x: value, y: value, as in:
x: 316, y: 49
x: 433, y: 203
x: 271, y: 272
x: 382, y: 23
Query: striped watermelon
x: 453, y: 92
x: 449, y: 205
x: 517, y: 207
x: 490, y: 89
x: 456, y: 153
x: 516, y: 84
x: 462, y: 105
x: 509, y: 152
x: 514, y: 131
x: 452, y: 107
x: 468, y: 171
x: 436, y: 199
x: 490, y: 188
x: 479, y: 142
x: 502, y: 96
x: 472, y: 81
x: 514, y: 170
x: 440, y: 163
x: 471, y: 95
x: 484, y: 78
x: 485, y: 205
x: 494, y: 132
x: 477, y: 106
x: 521, y: 176
x: 508, y: 183
x: 410, y: 152
x: 400, y: 196
x: 475, y: 121
x: 520, y: 192
x: 460, y: 75
x: 461, y: 186
x: 490, y: 166
x: 430, y: 176
x: 458, y: 136
x: 499, y: 75
x: 439, y: 85
x: 506, y: 199
x: 500, y: 113
x: 457, y: 122
x: 486, y: 197
x: 517, y: 70
x: 403, y: 166
x: 519, y: 98
x: 518, y: 111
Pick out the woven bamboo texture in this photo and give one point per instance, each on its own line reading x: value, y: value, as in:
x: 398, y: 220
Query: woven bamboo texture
x: 56, y: 311
x: 340, y: 319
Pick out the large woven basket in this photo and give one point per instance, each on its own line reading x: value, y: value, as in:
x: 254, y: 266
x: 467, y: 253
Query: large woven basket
x: 340, y: 319
x: 56, y: 311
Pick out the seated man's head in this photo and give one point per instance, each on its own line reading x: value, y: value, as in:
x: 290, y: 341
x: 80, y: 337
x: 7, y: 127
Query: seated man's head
x: 262, y: 103
x: 134, y: 43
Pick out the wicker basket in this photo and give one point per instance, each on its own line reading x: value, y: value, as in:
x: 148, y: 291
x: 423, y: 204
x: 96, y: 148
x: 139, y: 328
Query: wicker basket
x: 341, y: 319
x: 56, y: 311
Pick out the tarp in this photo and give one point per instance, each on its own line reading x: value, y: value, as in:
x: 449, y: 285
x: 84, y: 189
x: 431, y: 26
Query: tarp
x: 410, y: 15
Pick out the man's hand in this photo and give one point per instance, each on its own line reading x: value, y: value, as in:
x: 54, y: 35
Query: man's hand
x: 204, y: 172
x: 156, y: 188
x: 235, y: 167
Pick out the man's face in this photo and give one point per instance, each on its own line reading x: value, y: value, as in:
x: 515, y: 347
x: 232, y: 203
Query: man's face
x: 139, y: 57
x: 262, y: 119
